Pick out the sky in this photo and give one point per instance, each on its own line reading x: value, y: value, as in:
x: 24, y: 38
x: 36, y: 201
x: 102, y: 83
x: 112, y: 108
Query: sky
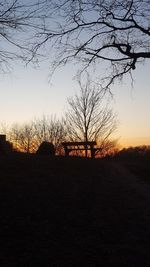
x: 133, y: 107
x: 27, y: 93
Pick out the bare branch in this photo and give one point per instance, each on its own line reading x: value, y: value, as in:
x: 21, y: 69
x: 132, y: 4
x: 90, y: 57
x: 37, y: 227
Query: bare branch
x: 87, y: 119
x: 118, y: 34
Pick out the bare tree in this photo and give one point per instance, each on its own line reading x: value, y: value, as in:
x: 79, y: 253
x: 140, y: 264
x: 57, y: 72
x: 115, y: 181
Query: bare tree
x: 88, y: 118
x: 116, y: 32
x: 4, y: 128
x: 50, y: 129
x: 23, y: 137
x: 19, y: 23
x: 27, y: 137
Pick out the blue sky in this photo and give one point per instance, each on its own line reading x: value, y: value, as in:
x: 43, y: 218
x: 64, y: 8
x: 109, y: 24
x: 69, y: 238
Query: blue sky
x: 26, y: 93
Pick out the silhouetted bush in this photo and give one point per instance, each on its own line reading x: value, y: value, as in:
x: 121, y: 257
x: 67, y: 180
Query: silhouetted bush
x: 46, y: 148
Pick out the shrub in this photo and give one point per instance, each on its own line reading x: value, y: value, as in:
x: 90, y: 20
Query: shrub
x: 46, y: 148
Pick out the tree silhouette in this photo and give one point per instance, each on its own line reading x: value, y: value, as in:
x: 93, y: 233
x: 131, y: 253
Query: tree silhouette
x: 23, y: 137
x: 89, y: 119
x: 19, y: 23
x: 27, y: 137
x: 50, y: 129
x: 116, y: 32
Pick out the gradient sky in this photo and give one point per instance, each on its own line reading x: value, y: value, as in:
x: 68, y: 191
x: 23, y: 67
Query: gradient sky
x: 26, y: 93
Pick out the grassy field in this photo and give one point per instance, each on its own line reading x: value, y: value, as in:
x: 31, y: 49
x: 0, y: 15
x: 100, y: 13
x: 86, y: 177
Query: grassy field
x: 74, y: 212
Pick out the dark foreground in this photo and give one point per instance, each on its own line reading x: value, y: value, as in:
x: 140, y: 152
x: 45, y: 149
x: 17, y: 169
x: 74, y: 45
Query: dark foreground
x: 72, y: 212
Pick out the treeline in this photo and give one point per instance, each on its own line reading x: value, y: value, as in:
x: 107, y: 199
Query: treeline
x: 27, y: 137
x: 87, y: 118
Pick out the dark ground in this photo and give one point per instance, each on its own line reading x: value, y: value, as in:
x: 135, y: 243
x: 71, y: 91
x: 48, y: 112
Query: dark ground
x: 74, y: 212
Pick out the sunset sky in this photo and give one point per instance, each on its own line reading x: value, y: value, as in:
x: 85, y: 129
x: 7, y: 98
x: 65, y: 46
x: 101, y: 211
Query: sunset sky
x: 26, y: 93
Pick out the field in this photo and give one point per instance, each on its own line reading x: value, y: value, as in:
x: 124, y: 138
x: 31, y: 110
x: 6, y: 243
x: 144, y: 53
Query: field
x: 74, y: 212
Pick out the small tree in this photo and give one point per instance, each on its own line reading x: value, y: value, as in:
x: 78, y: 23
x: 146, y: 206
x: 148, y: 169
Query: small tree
x: 23, y: 137
x: 50, y: 129
x: 87, y: 119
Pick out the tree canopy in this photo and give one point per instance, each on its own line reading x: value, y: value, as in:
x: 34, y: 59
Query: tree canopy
x: 19, y: 23
x: 116, y: 32
x: 88, y: 118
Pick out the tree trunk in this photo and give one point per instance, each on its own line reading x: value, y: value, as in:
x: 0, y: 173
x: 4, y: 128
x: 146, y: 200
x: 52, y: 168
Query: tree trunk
x: 86, y: 140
